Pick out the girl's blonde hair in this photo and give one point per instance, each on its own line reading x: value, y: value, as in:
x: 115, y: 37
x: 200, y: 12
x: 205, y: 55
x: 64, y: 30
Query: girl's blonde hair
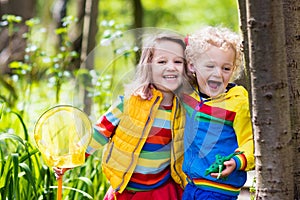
x: 143, y: 76
x: 220, y: 37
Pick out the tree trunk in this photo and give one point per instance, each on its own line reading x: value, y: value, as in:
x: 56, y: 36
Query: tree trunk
x: 25, y: 9
x: 271, y: 108
x: 59, y: 12
x: 245, y: 79
x: 15, y: 50
x: 77, y: 35
x: 292, y: 32
x: 138, y: 14
x: 90, y: 29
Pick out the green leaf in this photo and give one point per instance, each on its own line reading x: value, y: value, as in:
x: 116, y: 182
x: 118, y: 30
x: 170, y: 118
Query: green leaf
x: 15, y: 159
x: 11, y: 136
x: 31, y: 22
x: 68, y: 20
x: 15, y: 65
x: 28, y: 176
x: 5, y: 176
x: 60, y: 31
x: 12, y: 18
x: 26, y: 156
x: 23, y: 125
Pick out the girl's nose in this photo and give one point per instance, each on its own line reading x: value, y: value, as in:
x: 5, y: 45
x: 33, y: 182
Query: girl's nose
x: 171, y: 66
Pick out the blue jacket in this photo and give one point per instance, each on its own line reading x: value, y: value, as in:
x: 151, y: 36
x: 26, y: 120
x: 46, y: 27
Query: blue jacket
x: 218, y: 126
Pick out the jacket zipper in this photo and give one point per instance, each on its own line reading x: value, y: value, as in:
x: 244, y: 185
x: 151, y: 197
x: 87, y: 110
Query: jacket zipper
x: 191, y: 149
x: 198, y: 107
x: 173, y: 144
x: 110, y: 150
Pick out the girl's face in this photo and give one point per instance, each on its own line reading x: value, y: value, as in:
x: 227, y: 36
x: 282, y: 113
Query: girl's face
x: 214, y: 69
x: 167, y: 65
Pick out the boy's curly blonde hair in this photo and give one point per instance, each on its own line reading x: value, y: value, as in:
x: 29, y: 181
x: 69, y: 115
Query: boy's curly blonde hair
x: 223, y: 38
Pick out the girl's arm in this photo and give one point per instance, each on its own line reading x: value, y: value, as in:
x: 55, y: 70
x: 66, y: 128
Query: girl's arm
x: 103, y: 130
x: 105, y: 126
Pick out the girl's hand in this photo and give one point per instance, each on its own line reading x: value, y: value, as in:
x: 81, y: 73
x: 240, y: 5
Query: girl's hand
x: 145, y: 92
x: 230, y: 166
x: 59, y: 172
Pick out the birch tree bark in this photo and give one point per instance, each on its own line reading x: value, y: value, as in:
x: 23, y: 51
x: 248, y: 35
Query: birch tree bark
x: 292, y: 33
x: 270, y: 99
x: 90, y: 29
x: 245, y: 79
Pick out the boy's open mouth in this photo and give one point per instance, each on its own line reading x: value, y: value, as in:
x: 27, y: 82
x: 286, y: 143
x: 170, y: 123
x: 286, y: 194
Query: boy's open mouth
x: 214, y: 84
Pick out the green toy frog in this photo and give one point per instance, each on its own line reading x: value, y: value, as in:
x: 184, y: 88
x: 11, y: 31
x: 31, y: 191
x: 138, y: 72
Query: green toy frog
x: 218, y: 165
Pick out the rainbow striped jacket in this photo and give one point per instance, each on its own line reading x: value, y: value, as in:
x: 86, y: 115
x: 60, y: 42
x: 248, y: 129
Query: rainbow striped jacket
x: 218, y: 126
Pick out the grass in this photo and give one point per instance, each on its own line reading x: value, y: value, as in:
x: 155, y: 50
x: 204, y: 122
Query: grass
x: 24, y: 174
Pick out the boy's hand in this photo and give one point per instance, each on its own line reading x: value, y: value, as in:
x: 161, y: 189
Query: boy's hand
x: 230, y: 166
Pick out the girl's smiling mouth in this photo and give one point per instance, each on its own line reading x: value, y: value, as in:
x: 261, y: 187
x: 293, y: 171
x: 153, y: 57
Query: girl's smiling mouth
x: 170, y: 77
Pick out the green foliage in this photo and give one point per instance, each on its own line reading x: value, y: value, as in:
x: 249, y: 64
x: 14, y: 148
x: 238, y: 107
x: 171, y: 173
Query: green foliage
x: 252, y: 189
x: 190, y: 15
x: 39, y: 64
x: 23, y: 174
x: 8, y: 93
x: 177, y: 15
x: 19, y: 168
x: 114, y: 64
x: 59, y: 72
x: 10, y: 20
x: 46, y: 69
x: 22, y: 170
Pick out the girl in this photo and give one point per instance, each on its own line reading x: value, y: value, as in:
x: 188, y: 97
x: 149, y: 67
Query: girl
x: 144, y: 152
x: 218, y: 119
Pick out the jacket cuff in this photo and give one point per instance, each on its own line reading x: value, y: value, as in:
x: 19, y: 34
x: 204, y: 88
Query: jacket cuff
x: 241, y: 161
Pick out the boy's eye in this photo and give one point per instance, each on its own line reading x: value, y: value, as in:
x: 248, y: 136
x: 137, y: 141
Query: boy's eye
x: 210, y: 66
x: 227, y: 68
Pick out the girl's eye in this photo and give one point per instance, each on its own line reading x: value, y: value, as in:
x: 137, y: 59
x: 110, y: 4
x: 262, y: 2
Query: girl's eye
x: 178, y: 61
x: 161, y: 62
x: 210, y: 66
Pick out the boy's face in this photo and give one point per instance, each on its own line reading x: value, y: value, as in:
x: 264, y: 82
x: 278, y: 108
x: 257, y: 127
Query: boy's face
x: 214, y: 69
x: 167, y: 65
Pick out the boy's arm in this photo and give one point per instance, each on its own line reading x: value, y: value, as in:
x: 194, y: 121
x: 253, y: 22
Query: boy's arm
x: 243, y: 128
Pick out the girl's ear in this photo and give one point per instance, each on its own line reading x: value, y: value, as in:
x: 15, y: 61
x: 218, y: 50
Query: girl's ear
x: 191, y: 67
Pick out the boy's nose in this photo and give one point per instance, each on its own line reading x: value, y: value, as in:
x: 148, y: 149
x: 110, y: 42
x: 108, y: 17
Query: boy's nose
x: 217, y: 71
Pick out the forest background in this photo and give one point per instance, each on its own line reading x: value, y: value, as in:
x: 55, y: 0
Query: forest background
x: 76, y: 53
x: 42, y: 65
